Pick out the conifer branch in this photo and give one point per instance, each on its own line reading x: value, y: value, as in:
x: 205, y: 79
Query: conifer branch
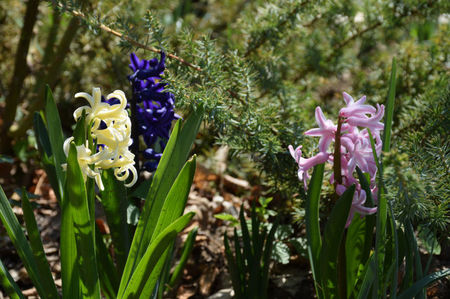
x: 132, y: 41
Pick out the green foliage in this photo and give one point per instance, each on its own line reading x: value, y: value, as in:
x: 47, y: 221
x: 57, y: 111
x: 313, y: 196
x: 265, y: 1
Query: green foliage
x: 417, y: 174
x: 249, y: 262
x: 86, y: 264
x: 258, y: 67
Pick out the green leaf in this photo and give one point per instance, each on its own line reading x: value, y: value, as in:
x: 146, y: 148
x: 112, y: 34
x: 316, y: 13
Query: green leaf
x: 142, y: 275
x: 266, y: 257
x: 176, y: 199
x: 185, y: 253
x: 76, y: 200
x: 8, y: 283
x: 109, y: 279
x: 421, y: 284
x: 41, y: 133
x: 173, y: 207
x: 281, y: 253
x: 115, y: 204
x: 232, y: 268
x: 44, y: 147
x: 389, y: 109
x: 332, y: 238
x: 55, y: 135
x: 172, y: 160
x: 370, y: 272
x: 141, y: 191
x: 38, y: 250
x: 227, y: 217
x: 429, y: 240
x: 312, y: 221
x: 20, y: 242
x: 355, y: 250
x: 415, y: 249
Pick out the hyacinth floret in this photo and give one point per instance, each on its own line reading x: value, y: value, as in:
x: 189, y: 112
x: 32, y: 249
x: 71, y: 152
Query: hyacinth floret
x: 155, y: 106
x: 110, y: 127
x: 355, y: 149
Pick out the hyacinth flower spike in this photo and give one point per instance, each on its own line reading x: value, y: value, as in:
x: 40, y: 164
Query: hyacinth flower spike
x: 326, y: 130
x: 154, y: 106
x: 355, y: 148
x: 110, y: 127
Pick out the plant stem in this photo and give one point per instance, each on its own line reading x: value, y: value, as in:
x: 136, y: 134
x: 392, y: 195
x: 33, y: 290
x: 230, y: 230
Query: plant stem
x: 337, y: 155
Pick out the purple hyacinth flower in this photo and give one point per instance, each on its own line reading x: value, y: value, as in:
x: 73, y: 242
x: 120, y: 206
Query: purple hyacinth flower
x: 154, y: 106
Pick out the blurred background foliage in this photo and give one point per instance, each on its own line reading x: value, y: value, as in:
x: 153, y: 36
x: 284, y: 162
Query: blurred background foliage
x: 259, y: 68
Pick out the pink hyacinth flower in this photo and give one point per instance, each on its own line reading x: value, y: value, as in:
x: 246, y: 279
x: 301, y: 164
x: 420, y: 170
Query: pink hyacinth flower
x: 355, y: 108
x: 326, y: 130
x: 373, y: 123
x: 359, y: 198
x: 305, y: 164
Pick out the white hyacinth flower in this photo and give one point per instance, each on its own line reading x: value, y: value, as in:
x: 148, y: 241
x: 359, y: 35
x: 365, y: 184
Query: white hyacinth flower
x: 113, y: 138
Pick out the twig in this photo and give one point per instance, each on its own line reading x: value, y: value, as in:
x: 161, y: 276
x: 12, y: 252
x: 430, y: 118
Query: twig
x: 134, y: 42
x: 20, y: 71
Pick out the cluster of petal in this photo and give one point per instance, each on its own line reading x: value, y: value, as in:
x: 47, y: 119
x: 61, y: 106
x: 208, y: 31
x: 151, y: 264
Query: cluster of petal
x: 110, y: 127
x: 356, y: 149
x: 155, y: 106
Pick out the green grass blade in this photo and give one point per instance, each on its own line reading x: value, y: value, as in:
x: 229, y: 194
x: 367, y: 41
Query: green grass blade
x: 144, y: 275
x: 266, y: 257
x: 312, y: 221
x: 172, y: 160
x: 248, y: 253
x: 115, y: 203
x: 332, y: 238
x: 185, y: 253
x: 8, y: 283
x: 236, y: 280
x: 38, y: 250
x: 421, y: 284
x: 389, y: 109
x: 55, y: 135
x: 76, y: 196
x: 20, y: 242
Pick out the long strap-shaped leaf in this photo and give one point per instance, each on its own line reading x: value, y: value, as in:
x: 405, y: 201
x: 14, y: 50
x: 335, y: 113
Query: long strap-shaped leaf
x: 56, y: 136
x: 43, y: 143
x: 312, y: 222
x: 8, y: 283
x: 75, y: 199
x: 172, y: 208
x: 332, y: 238
x: 20, y: 242
x: 151, y: 257
x: 114, y: 201
x: 172, y: 160
x: 38, y: 250
x: 421, y: 284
